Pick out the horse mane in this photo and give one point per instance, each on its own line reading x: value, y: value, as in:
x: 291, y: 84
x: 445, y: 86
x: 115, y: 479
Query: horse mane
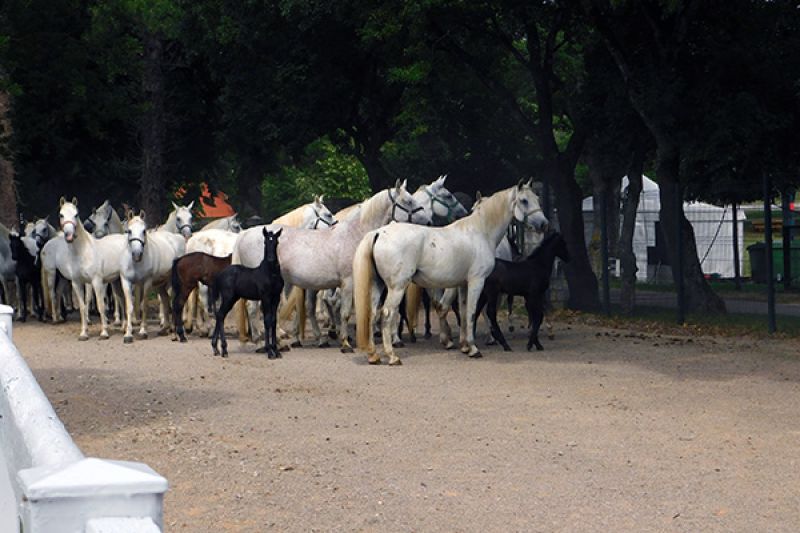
x: 488, y: 212
x: 293, y: 218
x: 373, y: 207
x: 345, y: 213
x: 114, y: 219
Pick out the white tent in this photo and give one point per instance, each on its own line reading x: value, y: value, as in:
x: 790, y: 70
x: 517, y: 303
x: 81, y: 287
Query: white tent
x: 713, y: 231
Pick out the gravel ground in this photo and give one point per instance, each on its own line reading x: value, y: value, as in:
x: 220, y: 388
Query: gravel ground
x: 606, y: 430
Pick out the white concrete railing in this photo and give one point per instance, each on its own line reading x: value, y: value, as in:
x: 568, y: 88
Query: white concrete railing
x: 46, y: 483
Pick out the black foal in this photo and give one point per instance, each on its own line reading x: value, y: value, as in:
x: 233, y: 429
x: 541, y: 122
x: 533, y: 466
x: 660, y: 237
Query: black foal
x: 529, y: 278
x: 263, y: 283
x: 28, y: 271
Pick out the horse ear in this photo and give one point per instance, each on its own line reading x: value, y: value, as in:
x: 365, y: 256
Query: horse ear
x: 521, y: 183
x: 397, y: 184
x: 61, y: 201
x: 404, y: 185
x: 189, y: 207
x: 321, y: 196
x: 478, y: 196
x: 129, y: 214
x: 174, y: 206
x: 141, y: 214
x: 530, y: 182
x: 74, y: 201
x: 264, y: 231
x: 278, y: 233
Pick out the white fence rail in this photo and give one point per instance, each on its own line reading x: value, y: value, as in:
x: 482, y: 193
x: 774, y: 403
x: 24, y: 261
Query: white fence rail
x: 46, y: 483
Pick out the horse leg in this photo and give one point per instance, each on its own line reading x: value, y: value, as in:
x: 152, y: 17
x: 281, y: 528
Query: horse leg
x: 201, y: 305
x: 80, y: 295
x: 426, y: 303
x: 144, y: 289
x: 463, y: 326
x: 390, y: 312
x: 510, y: 303
x: 443, y: 307
x: 227, y: 303
x: 22, y: 310
x: 333, y: 316
x: 38, y: 301
x: 188, y: 309
x: 397, y: 331
x: 347, y: 309
x: 163, y: 302
x: 534, y: 306
x: 473, y: 292
x: 376, y: 292
x: 99, y: 293
x: 178, y: 301
x: 128, y: 290
x: 491, y: 311
x: 311, y: 306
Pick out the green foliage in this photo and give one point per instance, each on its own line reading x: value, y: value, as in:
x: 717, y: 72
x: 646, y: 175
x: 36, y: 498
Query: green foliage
x: 321, y: 170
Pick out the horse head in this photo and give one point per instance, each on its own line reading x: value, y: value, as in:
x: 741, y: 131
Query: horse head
x: 99, y: 221
x: 442, y: 202
x: 41, y: 232
x: 68, y: 218
x: 183, y: 219
x: 526, y: 207
x: 318, y: 213
x: 136, y: 234
x: 406, y: 208
x: 271, y: 244
x: 15, y: 244
x: 233, y: 223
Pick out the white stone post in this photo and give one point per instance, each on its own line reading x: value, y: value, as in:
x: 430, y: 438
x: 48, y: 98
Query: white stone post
x: 6, y: 319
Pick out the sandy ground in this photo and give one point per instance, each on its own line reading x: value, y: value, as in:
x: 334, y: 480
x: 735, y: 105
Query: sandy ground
x: 606, y: 430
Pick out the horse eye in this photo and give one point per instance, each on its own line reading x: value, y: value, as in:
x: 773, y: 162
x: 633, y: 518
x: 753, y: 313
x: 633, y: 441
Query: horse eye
x: 524, y: 201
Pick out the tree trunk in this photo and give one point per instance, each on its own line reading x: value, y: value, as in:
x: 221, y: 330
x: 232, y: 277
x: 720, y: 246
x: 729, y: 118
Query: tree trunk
x: 379, y: 177
x: 581, y: 280
x: 153, y: 192
x: 700, y: 297
x: 248, y: 182
x: 8, y: 190
x: 625, y: 249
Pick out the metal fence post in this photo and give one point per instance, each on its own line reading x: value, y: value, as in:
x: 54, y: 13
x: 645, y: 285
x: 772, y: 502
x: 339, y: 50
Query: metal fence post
x: 604, y: 250
x: 771, y: 326
x: 737, y: 274
x: 786, y: 234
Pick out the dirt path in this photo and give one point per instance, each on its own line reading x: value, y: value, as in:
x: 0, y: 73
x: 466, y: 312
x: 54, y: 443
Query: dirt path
x: 604, y: 431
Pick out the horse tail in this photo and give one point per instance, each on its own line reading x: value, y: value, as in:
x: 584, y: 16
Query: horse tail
x: 363, y: 275
x: 413, y: 299
x: 240, y: 306
x: 48, y: 306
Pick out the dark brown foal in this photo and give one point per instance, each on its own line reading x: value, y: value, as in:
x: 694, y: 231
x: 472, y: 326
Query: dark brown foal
x: 187, y: 272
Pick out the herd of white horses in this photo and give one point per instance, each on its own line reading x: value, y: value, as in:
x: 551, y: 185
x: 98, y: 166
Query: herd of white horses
x: 362, y: 258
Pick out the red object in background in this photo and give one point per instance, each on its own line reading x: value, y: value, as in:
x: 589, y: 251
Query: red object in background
x: 221, y: 207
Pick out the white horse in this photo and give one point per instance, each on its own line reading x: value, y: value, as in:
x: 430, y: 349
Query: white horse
x: 88, y: 262
x: 178, y: 221
x: 147, y: 261
x: 459, y: 255
x: 323, y: 258
x: 104, y: 220
x: 230, y: 223
x: 8, y: 268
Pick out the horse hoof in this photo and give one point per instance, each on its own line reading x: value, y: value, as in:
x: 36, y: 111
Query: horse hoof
x: 83, y: 338
x: 142, y: 336
x: 491, y: 342
x: 225, y: 355
x: 427, y: 335
x: 347, y: 349
x: 332, y: 334
x: 395, y: 362
x: 449, y: 345
x: 476, y: 355
x: 163, y: 332
x: 398, y: 344
x: 297, y: 344
x: 104, y: 337
x: 464, y: 348
x: 283, y: 348
x: 511, y: 329
x: 324, y: 344
x: 374, y: 359
x: 507, y: 349
x: 128, y: 339
x: 262, y: 350
x: 412, y: 338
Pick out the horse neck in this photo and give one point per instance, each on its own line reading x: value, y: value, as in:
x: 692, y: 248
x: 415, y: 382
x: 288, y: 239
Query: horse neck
x: 544, y: 256
x: 114, y: 222
x: 293, y: 218
x: 169, y: 225
x: 491, y: 218
x: 375, y: 212
x: 82, y: 237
